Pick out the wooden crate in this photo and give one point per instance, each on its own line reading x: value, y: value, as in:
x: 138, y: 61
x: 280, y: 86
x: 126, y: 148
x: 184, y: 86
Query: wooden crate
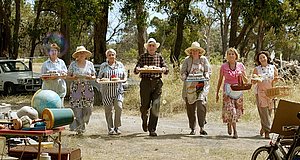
x: 30, y: 152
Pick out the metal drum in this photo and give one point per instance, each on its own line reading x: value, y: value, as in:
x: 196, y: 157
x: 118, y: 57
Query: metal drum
x: 57, y: 117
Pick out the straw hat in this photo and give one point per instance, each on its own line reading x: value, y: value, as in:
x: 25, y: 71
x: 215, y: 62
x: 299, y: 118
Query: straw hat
x: 195, y: 45
x: 54, y: 45
x: 81, y: 49
x: 111, y: 50
x: 150, y: 41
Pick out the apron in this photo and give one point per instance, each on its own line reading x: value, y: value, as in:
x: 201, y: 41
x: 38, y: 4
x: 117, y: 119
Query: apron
x: 232, y: 94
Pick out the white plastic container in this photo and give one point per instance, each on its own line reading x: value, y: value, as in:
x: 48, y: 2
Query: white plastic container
x: 45, y: 156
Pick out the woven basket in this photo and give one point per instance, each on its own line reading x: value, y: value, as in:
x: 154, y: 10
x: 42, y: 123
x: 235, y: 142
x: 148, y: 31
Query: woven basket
x: 240, y: 87
x: 279, y: 91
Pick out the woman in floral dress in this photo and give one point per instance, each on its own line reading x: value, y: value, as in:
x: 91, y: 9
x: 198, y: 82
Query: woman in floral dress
x: 81, y: 72
x: 232, y: 100
x: 267, y: 74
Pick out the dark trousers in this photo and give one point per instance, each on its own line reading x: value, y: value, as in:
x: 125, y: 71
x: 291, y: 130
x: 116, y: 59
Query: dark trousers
x: 150, y: 92
x: 201, y: 113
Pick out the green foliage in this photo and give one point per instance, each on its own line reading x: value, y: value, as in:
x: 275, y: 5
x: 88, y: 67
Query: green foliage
x: 129, y: 55
x: 166, y: 55
x: 216, y: 58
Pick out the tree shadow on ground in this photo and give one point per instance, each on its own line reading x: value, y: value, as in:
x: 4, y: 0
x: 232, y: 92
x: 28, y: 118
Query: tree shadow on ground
x: 128, y: 136
x: 163, y: 136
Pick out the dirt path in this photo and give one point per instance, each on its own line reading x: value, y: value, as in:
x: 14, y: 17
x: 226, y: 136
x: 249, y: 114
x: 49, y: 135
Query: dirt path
x: 173, y: 141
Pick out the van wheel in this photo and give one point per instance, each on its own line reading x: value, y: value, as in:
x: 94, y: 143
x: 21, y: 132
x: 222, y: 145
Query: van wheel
x: 97, y: 97
x: 9, y: 89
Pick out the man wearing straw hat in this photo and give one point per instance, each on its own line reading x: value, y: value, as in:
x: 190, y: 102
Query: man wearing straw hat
x: 195, y: 92
x: 150, y: 86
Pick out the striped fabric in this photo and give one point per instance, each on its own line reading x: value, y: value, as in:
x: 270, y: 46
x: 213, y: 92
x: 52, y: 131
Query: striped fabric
x: 112, y: 91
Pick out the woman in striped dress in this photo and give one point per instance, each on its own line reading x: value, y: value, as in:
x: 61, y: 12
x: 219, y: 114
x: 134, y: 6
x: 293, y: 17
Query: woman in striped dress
x: 112, y: 93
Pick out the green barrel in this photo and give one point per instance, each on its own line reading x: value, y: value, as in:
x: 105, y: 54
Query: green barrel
x: 57, y: 117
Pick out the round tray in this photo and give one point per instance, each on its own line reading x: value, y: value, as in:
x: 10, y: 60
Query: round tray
x: 109, y: 82
x: 150, y: 70
x: 197, y: 80
x: 53, y: 76
x: 240, y: 87
x: 257, y: 79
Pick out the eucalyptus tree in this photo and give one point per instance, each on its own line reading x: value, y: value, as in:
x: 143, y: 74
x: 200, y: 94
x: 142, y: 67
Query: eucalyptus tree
x: 183, y: 16
x: 243, y: 20
x: 15, y: 37
x: 100, y: 29
x: 5, y: 28
x: 289, y: 41
x: 136, y: 9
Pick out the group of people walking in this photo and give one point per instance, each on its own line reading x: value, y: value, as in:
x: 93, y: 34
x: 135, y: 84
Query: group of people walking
x: 195, y: 93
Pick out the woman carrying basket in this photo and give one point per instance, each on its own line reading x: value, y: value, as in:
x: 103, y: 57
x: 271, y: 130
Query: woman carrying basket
x: 232, y: 71
x: 263, y: 76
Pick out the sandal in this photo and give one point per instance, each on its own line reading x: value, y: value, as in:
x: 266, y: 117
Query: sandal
x: 192, y: 132
x: 261, y: 132
x: 267, y: 135
x: 229, y: 130
x: 203, y: 132
x: 235, y: 136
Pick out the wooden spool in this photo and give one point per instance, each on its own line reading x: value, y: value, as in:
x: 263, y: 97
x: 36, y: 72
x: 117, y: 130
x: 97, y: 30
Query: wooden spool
x: 57, y: 117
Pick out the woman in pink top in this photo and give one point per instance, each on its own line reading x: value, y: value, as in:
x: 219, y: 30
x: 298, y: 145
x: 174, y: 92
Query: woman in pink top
x: 266, y: 74
x: 232, y: 100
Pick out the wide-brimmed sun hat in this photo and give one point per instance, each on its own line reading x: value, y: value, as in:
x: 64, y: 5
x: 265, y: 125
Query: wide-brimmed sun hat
x: 55, y: 46
x: 195, y: 45
x: 80, y: 49
x: 111, y: 50
x: 151, y: 41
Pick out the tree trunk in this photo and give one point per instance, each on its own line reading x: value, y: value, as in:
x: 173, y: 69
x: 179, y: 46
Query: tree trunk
x: 208, y: 37
x: 260, y: 36
x: 224, y: 29
x: 174, y: 58
x: 245, y: 41
x: 234, y: 23
x: 100, y: 30
x: 140, y: 16
x: 65, y: 31
x: 16, y: 31
x: 34, y: 34
x: 5, y: 45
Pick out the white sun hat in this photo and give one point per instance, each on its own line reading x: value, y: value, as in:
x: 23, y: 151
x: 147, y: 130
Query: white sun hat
x: 195, y: 45
x: 151, y: 41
